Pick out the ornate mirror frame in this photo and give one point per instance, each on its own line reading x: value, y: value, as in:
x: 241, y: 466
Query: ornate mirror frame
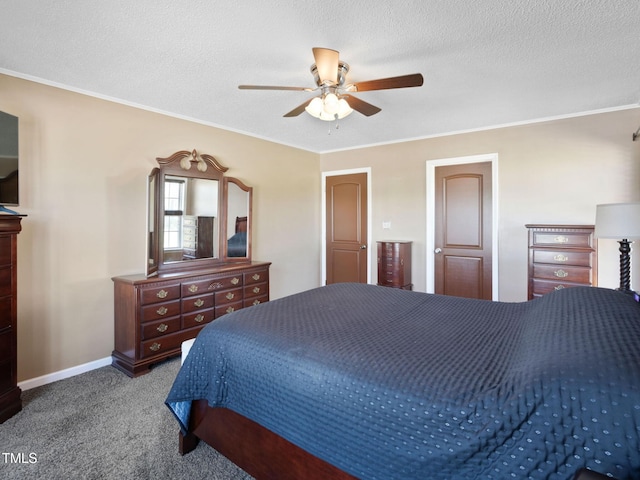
x: 203, y: 186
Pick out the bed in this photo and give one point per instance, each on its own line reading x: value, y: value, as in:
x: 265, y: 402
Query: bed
x: 360, y: 381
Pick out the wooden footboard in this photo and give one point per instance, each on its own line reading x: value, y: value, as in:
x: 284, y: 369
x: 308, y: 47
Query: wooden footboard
x: 258, y: 451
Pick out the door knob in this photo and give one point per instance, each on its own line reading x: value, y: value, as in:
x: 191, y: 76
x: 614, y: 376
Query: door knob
x: 438, y: 250
x: 363, y: 247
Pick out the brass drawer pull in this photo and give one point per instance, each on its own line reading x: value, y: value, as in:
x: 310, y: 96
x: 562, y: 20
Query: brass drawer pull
x: 256, y: 289
x: 230, y: 309
x: 155, y: 346
x: 561, y: 239
x: 561, y: 258
x: 199, y: 302
x: 235, y: 281
x: 162, y: 327
x: 199, y: 318
x: 162, y: 294
x: 162, y: 311
x: 561, y: 273
x: 229, y: 296
x: 193, y: 288
x: 256, y: 302
x: 256, y: 276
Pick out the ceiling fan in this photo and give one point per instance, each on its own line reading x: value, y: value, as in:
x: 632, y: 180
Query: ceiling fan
x: 336, y: 100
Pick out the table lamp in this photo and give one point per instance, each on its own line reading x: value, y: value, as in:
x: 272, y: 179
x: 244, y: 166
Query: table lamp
x: 622, y: 222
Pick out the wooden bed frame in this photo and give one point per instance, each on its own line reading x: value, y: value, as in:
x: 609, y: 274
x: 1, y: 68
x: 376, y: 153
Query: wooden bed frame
x: 264, y: 454
x: 257, y: 450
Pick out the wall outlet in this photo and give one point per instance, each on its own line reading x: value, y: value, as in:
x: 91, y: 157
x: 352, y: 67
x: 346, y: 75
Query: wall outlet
x: 386, y: 225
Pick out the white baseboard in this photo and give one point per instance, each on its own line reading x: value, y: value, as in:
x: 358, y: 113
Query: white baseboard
x: 62, y: 374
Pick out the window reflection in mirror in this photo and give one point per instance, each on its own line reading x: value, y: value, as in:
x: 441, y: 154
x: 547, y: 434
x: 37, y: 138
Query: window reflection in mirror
x: 191, y: 218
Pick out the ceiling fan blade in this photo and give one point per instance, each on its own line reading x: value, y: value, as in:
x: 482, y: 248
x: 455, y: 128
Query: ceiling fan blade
x: 273, y: 87
x: 361, y: 106
x: 327, y: 61
x: 403, y: 81
x: 299, y: 109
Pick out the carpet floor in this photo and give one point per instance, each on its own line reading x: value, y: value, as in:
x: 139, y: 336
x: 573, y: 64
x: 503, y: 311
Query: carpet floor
x: 104, y: 425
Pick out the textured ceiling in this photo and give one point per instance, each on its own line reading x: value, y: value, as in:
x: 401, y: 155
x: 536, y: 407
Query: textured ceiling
x: 485, y: 63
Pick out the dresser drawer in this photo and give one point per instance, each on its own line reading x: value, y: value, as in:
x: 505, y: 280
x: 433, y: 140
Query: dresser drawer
x: 252, y: 302
x: 197, y: 302
x: 229, y: 296
x: 211, y: 285
x: 388, y: 280
x: 189, y: 221
x: 256, y: 277
x: 564, y: 239
x: 159, y: 294
x: 5, y: 312
x: 256, y: 290
x: 542, y: 287
x: 201, y: 317
x: 158, y: 346
x: 390, y: 264
x: 188, y: 239
x: 5, y: 250
x: 6, y: 284
x: 160, y: 327
x: 160, y: 310
x: 563, y: 273
x: 227, y: 308
x: 6, y: 378
x: 563, y: 257
x: 5, y: 345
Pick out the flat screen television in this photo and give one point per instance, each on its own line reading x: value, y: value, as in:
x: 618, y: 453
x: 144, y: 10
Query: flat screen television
x: 9, y: 194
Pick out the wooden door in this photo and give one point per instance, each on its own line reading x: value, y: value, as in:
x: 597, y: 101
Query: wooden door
x: 463, y: 230
x: 346, y: 240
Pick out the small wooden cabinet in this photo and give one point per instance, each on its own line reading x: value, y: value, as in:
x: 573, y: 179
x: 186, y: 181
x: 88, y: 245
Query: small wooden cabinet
x: 394, y: 264
x: 561, y: 256
x: 10, y: 402
x: 153, y: 316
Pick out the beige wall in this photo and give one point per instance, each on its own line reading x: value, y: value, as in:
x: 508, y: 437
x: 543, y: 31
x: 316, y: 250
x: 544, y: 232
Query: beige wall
x: 548, y: 172
x: 84, y: 166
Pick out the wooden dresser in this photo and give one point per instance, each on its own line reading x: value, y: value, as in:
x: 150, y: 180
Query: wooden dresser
x: 10, y: 402
x: 394, y: 264
x: 154, y: 315
x: 561, y: 256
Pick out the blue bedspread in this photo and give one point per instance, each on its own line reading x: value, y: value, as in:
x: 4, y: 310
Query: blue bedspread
x: 390, y: 384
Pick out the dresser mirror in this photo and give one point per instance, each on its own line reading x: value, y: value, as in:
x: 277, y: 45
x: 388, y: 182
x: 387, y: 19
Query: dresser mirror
x: 239, y: 198
x: 197, y: 217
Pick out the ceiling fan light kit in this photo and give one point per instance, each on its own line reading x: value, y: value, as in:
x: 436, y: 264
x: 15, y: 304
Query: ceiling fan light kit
x: 336, y: 101
x: 328, y: 107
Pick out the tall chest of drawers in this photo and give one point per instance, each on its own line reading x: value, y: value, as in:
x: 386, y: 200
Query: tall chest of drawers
x: 561, y: 256
x: 394, y: 264
x: 10, y: 402
x: 153, y: 316
x: 198, y: 236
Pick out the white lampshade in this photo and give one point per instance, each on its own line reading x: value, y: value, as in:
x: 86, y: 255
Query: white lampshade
x: 315, y: 107
x: 618, y: 220
x: 343, y: 108
x: 331, y: 103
